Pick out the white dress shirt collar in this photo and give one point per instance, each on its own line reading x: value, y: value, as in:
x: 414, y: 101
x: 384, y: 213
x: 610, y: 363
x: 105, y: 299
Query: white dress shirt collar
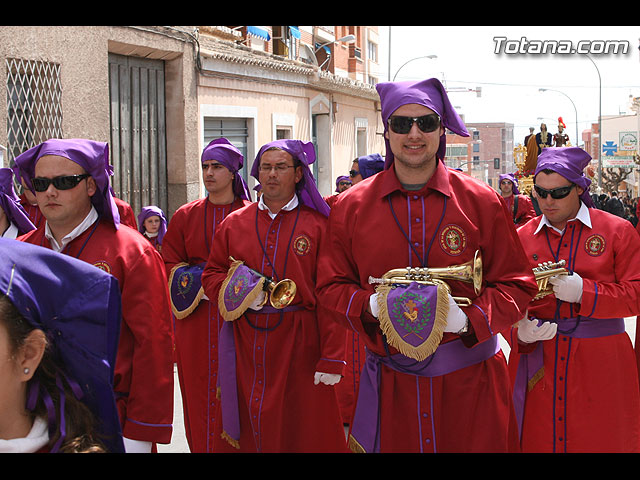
x: 582, y: 215
x: 76, y: 232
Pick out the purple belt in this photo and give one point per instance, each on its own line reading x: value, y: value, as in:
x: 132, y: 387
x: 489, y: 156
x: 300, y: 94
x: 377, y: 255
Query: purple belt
x: 449, y: 357
x: 530, y: 366
x: 227, y: 382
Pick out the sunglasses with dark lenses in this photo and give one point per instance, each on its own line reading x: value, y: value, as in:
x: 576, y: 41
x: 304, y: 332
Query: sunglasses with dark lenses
x: 426, y: 123
x: 65, y: 182
x: 353, y: 173
x: 556, y: 193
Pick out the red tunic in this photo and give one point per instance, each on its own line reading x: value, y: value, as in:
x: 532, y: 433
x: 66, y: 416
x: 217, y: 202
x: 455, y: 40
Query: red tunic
x: 588, y: 399
x: 525, y: 210
x: 143, y: 379
x: 33, y: 212
x: 277, y: 354
x: 467, y: 410
x: 188, y: 239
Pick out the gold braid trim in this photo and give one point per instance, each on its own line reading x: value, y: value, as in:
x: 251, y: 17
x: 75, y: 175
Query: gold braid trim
x: 248, y: 300
x: 435, y: 337
x: 234, y: 443
x: 354, y: 446
x: 535, y: 379
x: 196, y: 301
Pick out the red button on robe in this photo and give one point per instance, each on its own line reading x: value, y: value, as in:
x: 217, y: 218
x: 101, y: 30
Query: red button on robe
x: 188, y: 240
x: 588, y: 399
x: 468, y: 410
x: 277, y: 354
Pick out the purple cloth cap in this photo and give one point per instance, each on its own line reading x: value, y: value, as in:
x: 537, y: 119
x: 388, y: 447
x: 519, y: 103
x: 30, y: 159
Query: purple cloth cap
x: 228, y: 155
x: 569, y: 162
x: 370, y: 164
x: 306, y: 189
x: 82, y: 325
x: 150, y: 211
x: 342, y: 178
x: 91, y: 155
x: 429, y: 93
x: 10, y: 203
x: 511, y: 177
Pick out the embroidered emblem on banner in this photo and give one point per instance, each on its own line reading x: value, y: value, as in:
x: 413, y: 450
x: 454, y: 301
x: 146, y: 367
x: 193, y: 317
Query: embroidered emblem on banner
x: 594, y: 245
x: 239, y: 290
x: 301, y: 245
x: 413, y: 317
x: 103, y: 265
x: 453, y: 240
x: 185, y: 282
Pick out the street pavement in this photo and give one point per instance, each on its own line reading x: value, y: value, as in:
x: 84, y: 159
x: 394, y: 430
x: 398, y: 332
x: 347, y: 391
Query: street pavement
x: 179, y: 441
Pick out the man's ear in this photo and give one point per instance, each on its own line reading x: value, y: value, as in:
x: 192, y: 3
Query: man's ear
x: 92, y: 188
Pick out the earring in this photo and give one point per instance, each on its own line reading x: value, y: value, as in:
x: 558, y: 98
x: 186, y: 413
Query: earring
x: 26, y: 371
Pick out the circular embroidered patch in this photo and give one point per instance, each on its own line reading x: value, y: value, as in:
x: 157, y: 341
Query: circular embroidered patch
x: 301, y: 245
x: 594, y: 245
x: 102, y: 265
x: 185, y: 282
x: 453, y: 240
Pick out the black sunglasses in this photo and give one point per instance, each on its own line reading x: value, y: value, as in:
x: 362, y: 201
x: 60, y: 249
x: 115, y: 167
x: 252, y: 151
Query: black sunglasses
x: 556, y: 193
x: 426, y: 123
x: 65, y: 182
x: 353, y: 173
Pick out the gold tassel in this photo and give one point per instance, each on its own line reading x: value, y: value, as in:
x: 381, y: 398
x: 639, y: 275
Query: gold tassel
x: 196, y: 301
x: 248, y: 300
x: 435, y: 337
x: 231, y: 441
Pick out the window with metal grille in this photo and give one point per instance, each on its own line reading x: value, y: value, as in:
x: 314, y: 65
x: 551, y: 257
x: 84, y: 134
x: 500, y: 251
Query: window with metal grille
x: 34, y: 107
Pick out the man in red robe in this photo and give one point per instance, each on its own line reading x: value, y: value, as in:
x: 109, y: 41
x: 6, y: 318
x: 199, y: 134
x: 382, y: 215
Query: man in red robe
x: 185, y: 248
x: 72, y: 189
x: 419, y: 213
x: 277, y: 365
x: 520, y: 206
x: 573, y: 364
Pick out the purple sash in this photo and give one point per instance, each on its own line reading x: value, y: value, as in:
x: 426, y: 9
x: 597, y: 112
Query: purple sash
x: 227, y: 381
x: 531, y: 365
x: 449, y: 357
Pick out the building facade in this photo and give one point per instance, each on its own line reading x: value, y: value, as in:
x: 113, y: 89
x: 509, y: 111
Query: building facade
x: 485, y: 154
x: 158, y: 95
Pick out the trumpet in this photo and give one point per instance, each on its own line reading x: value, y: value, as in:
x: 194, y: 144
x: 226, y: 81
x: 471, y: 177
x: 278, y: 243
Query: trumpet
x: 543, y: 272
x: 279, y: 294
x: 469, y: 272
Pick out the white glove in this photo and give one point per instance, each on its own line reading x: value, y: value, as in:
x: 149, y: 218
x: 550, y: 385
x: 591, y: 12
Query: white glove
x: 373, y: 304
x: 136, y: 446
x: 326, y: 378
x: 530, y: 332
x: 457, y: 319
x: 258, y: 303
x: 567, y: 288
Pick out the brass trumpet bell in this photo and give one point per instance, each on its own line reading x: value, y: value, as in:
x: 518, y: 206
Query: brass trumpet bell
x: 280, y: 294
x: 543, y: 272
x: 469, y: 272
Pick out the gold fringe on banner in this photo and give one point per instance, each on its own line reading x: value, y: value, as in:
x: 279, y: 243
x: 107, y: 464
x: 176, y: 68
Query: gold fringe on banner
x: 429, y: 346
x: 248, y: 300
x: 180, y: 314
